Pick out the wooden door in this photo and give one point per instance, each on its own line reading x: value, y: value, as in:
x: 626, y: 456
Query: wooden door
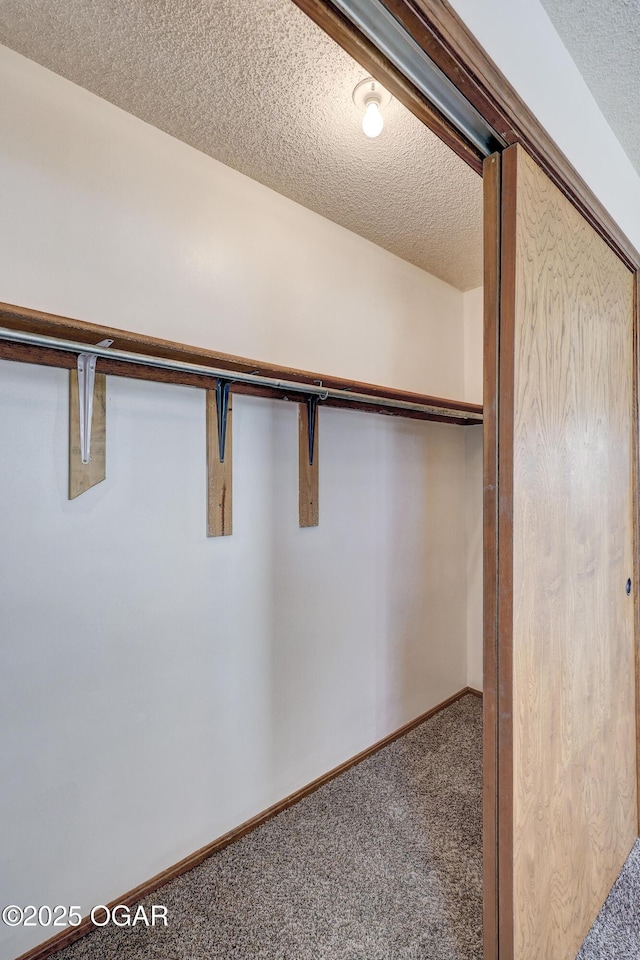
x: 565, y: 691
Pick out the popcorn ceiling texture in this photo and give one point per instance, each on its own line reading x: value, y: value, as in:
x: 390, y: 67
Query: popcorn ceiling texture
x: 604, y: 39
x: 257, y: 85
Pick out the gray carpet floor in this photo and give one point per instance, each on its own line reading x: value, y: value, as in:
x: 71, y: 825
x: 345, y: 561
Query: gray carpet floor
x: 382, y: 863
x: 615, y: 935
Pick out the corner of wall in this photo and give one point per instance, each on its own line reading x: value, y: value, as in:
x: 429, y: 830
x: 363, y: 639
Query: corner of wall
x: 473, y: 379
x: 473, y: 326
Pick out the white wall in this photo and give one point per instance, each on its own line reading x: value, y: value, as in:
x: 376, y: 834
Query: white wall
x: 472, y: 312
x: 473, y: 389
x: 107, y: 219
x: 159, y: 687
x: 519, y: 36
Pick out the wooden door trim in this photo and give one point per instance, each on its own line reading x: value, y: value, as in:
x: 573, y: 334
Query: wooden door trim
x: 444, y: 36
x: 504, y: 628
x: 635, y: 488
x: 492, y: 220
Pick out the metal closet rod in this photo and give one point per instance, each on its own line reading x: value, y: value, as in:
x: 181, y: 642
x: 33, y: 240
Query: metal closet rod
x: 290, y: 386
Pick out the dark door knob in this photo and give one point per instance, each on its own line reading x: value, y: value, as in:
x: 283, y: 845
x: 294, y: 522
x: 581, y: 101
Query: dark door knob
x: 628, y: 586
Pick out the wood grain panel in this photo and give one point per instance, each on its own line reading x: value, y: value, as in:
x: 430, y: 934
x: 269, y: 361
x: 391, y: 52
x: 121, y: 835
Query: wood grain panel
x: 573, y: 649
x: 219, y: 475
x: 308, y: 473
x: 83, y: 476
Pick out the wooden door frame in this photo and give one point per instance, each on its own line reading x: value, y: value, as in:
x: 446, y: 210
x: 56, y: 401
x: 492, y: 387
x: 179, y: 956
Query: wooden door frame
x: 492, y: 493
x: 435, y: 26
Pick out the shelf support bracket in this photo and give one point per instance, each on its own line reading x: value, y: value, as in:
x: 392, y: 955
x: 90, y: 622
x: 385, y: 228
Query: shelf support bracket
x: 312, y: 413
x: 222, y: 409
x: 86, y: 385
x: 308, y: 472
x: 219, y: 461
x: 87, y: 423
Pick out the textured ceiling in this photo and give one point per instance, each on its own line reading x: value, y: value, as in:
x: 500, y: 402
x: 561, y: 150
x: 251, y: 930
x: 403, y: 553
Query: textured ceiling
x: 604, y: 40
x: 257, y: 85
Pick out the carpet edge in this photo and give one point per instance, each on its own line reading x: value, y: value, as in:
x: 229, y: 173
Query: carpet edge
x: 66, y: 937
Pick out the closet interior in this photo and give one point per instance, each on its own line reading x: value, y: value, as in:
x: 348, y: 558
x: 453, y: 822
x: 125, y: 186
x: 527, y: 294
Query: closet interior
x: 241, y: 354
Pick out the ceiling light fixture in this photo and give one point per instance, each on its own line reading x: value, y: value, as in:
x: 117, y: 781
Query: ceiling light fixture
x: 371, y: 97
